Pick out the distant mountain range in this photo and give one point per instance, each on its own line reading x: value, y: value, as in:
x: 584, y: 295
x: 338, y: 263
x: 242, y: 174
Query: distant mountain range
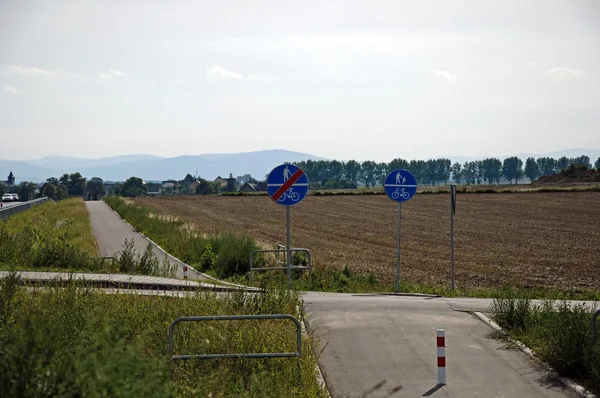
x: 149, y: 167
x: 208, y: 166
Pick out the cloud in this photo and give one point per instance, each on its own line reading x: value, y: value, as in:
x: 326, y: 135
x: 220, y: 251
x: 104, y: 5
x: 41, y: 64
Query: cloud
x: 562, y: 73
x: 27, y: 71
x: 151, y: 80
x: 9, y: 89
x: 532, y: 65
x: 444, y: 74
x: 217, y: 73
x: 113, y: 74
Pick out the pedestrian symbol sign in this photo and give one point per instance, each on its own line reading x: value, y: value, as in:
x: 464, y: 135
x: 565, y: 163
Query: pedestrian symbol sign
x: 400, y: 185
x: 287, y: 184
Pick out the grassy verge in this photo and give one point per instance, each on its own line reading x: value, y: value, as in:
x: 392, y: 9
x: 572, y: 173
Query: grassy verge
x: 58, y: 237
x: 225, y: 254
x: 558, y: 332
x: 78, y: 342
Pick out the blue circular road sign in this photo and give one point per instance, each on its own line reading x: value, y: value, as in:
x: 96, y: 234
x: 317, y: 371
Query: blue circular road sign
x: 287, y: 184
x: 400, y: 185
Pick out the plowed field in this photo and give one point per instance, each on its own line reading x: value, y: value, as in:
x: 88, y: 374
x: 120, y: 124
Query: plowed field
x: 527, y: 239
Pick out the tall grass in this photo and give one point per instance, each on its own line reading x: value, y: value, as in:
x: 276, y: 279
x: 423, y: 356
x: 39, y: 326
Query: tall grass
x: 58, y: 236
x: 79, y: 342
x: 558, y: 332
x: 224, y: 254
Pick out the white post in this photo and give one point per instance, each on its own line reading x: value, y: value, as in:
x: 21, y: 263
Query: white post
x: 441, y: 357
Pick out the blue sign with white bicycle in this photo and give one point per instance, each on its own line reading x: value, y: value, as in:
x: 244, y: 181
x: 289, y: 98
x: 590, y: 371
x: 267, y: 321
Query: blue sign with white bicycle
x: 400, y: 185
x: 287, y: 184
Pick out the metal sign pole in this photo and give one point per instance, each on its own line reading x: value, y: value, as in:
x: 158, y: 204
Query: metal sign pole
x: 289, y: 247
x: 398, y: 252
x: 452, y: 209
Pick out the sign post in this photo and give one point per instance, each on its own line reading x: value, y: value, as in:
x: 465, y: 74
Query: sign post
x: 452, y: 211
x: 400, y: 186
x: 287, y: 185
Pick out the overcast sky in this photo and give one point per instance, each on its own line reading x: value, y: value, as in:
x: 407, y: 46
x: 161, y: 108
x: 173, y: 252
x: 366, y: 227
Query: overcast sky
x: 339, y: 79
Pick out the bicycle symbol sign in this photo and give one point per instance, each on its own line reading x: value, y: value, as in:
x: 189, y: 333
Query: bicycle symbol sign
x: 287, y: 184
x: 400, y: 185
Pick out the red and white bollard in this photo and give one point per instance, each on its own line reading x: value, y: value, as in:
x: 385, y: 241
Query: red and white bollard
x: 441, y: 356
x: 185, y: 272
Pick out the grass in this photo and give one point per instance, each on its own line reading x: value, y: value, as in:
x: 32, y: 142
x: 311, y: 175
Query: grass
x: 79, y: 342
x: 58, y: 237
x: 69, y: 218
x: 223, y: 254
x: 557, y: 331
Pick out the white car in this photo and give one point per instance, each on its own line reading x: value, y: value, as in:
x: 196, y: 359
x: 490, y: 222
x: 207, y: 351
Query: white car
x: 7, y: 197
x: 15, y: 197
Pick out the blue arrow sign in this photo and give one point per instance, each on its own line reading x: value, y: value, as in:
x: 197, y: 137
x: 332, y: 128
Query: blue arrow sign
x: 287, y: 184
x: 400, y: 185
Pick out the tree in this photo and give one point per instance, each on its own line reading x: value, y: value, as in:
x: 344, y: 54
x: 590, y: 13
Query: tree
x: 133, y: 187
x: 206, y: 187
x: 352, y: 170
x: 546, y: 166
x: 512, y: 168
x: 369, y: 172
x: 188, y: 179
x: 3, y: 188
x: 470, y: 172
x: 231, y: 184
x: 582, y: 160
x: 562, y: 163
x: 456, y: 171
x: 53, y: 189
x: 597, y: 164
x: 531, y: 169
x: 74, y: 184
x: 95, y: 188
x: 26, y: 191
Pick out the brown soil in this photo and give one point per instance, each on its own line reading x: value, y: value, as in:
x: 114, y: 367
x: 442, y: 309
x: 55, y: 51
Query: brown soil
x: 571, y: 177
x: 528, y: 239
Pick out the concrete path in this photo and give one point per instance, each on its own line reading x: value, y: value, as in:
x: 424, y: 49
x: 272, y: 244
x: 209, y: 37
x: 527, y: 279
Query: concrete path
x: 111, y: 231
x: 373, y: 339
x: 116, y: 280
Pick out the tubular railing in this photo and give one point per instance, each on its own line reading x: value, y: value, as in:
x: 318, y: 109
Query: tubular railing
x: 296, y: 354
x: 307, y: 267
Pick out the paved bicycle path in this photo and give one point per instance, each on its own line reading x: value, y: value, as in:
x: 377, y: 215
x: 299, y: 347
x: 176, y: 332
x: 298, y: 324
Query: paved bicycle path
x: 372, y: 339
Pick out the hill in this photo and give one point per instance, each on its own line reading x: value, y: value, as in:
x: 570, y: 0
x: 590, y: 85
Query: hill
x: 149, y: 167
x: 571, y: 176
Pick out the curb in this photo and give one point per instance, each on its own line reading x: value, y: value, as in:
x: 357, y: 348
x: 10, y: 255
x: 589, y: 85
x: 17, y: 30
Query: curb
x: 320, y: 377
x: 570, y: 384
x: 249, y: 288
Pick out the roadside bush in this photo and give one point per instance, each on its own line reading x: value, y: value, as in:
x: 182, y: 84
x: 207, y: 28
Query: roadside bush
x: 558, y: 332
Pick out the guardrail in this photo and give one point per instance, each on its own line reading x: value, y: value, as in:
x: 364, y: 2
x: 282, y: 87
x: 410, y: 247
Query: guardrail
x: 296, y: 354
x: 308, y: 261
x: 9, y: 211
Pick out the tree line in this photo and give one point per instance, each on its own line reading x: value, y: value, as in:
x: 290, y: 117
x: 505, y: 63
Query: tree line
x: 332, y: 174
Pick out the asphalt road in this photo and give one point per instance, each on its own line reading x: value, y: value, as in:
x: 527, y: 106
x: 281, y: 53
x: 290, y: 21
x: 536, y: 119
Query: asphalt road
x: 111, y: 231
x: 372, y: 339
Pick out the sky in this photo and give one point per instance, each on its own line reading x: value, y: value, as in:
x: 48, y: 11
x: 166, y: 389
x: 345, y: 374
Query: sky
x: 339, y: 79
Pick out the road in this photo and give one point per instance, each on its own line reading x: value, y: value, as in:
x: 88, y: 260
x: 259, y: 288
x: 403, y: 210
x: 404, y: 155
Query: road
x: 370, y: 339
x: 111, y: 231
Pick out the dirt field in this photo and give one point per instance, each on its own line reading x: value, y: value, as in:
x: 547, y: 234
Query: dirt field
x: 528, y: 239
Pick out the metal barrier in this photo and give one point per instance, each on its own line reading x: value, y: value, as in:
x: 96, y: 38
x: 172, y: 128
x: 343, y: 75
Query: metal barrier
x: 9, y: 211
x: 308, y: 261
x: 281, y: 247
x: 296, y: 354
x: 593, y: 326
